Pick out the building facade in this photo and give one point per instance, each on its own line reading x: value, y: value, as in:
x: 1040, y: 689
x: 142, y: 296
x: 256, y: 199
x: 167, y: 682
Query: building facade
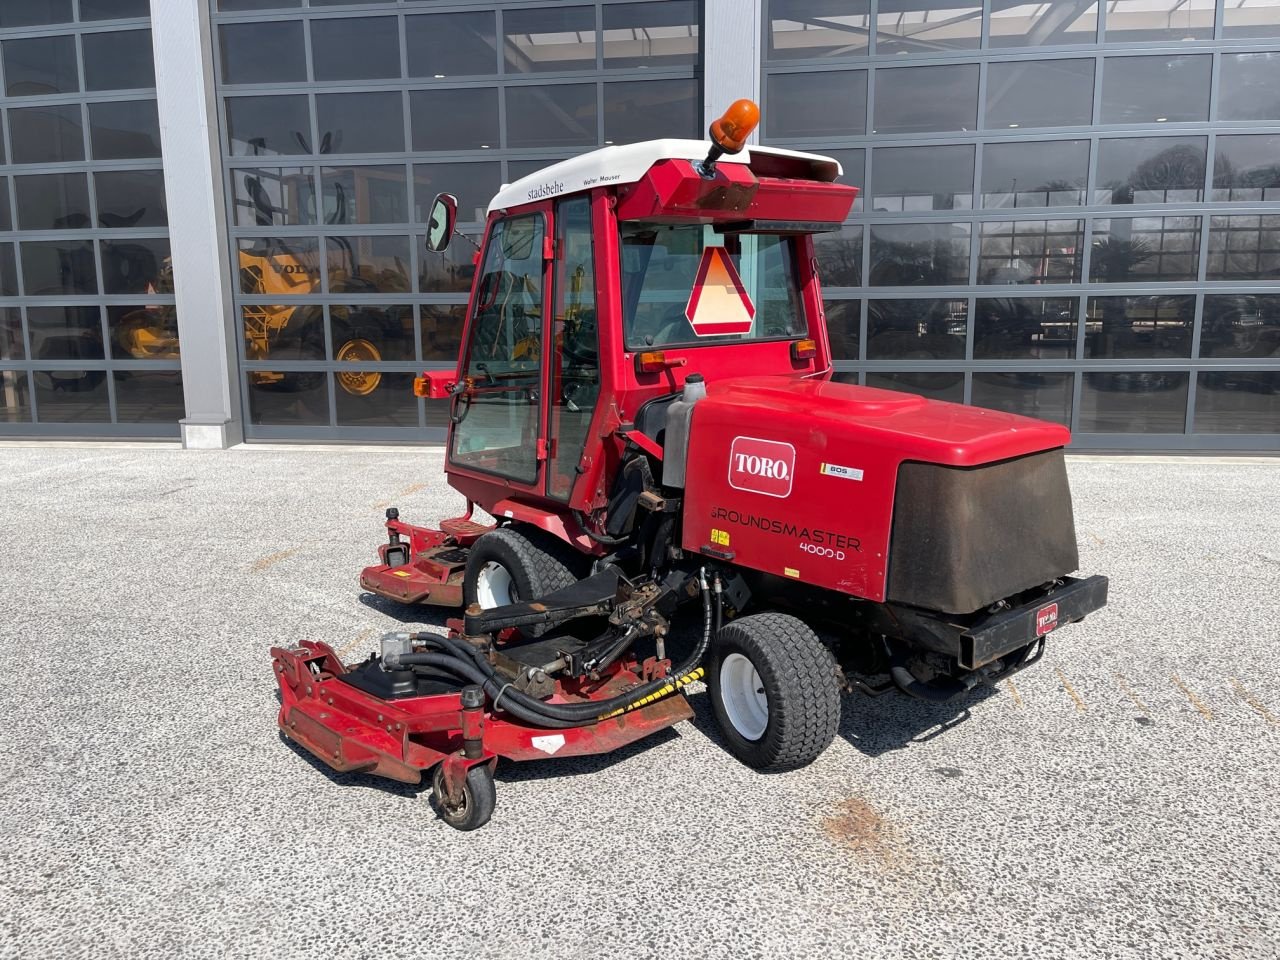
x: 212, y: 211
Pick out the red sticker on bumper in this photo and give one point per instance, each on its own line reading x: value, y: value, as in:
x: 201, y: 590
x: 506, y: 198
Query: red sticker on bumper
x: 1046, y: 619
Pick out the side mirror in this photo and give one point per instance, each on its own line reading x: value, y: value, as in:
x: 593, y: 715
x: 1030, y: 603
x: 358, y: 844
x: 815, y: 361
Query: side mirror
x: 440, y: 221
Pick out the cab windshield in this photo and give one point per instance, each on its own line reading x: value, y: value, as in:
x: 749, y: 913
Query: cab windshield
x: 660, y: 264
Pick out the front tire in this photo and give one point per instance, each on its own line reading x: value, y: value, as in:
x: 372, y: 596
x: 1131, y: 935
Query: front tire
x: 774, y: 691
x: 479, y: 797
x: 517, y: 564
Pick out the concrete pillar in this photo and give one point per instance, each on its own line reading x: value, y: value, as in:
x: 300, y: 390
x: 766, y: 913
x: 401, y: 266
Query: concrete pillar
x: 182, y: 37
x: 731, y: 56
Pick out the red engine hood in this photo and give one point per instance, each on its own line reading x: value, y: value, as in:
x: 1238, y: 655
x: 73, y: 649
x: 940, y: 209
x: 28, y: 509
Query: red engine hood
x: 916, y: 428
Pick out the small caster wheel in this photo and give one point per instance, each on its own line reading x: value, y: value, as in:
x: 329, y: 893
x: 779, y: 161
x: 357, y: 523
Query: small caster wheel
x: 478, y: 799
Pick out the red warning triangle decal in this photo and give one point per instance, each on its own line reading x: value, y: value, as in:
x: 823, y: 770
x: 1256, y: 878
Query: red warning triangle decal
x: 719, y: 303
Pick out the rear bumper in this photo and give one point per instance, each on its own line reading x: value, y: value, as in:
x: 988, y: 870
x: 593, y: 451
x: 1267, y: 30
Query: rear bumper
x: 1004, y: 632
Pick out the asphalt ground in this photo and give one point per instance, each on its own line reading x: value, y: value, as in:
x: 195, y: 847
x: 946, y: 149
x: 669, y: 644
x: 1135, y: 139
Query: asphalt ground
x: 1119, y: 799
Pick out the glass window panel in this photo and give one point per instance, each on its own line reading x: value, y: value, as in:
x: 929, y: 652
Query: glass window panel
x: 1039, y: 93
x: 920, y: 99
x: 131, y: 198
x: 121, y: 60
x: 12, y: 346
x: 1017, y: 23
x: 1238, y: 401
x: 1246, y: 168
x: 8, y: 271
x: 15, y: 397
x: 454, y: 119
x: 1136, y: 21
x: 260, y: 126
x: 917, y: 329
x: 651, y: 34
x: 450, y: 271
x: 149, y: 396
x: 65, y: 333
x: 355, y: 48
x: 442, y: 330
x: 1151, y: 170
x: 123, y: 130
x: 30, y: 13
x: 266, y: 51
x: 52, y: 134
x: 365, y: 194
x: 370, y: 398
x: 1052, y: 173
x: 55, y: 201
x: 113, y: 9
x: 72, y: 396
x: 936, y: 386
x: 360, y: 122
x: 519, y: 169
x: 549, y: 39
x: 1153, y: 401
x: 908, y: 179
x: 801, y: 29
x: 919, y: 254
x: 231, y: 6
x: 278, y: 266
x: 650, y: 110
x: 1244, y: 248
x: 925, y: 26
x: 474, y: 184
x: 136, y: 265
x: 53, y: 267
x: 273, y: 196
x: 840, y: 256
x: 1249, y: 87
x: 147, y: 332
x: 1251, y: 18
x: 6, y: 214
x: 1138, y: 327
x: 368, y: 264
x: 1155, y: 89
x: 452, y: 44
x: 1045, y: 396
x: 40, y: 66
x: 1031, y: 251
x: 843, y: 320
x: 369, y: 333
x: 853, y: 166
x: 282, y: 332
x: 1144, y: 249
x: 1025, y: 328
x: 551, y: 116
x: 816, y: 104
x: 1241, y: 325
x: 288, y: 398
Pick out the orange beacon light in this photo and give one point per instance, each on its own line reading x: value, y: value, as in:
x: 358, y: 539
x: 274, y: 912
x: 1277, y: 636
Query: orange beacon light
x: 729, y: 133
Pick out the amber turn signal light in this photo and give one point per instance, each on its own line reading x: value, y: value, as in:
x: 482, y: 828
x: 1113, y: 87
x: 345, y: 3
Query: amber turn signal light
x: 421, y: 387
x: 655, y: 361
x: 730, y: 132
x: 804, y: 349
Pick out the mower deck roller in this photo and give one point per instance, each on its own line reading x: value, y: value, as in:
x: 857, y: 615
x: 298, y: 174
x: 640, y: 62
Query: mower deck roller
x: 644, y: 406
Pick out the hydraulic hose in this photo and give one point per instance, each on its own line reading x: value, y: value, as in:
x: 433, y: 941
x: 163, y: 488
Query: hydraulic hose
x: 468, y: 663
x: 603, y: 539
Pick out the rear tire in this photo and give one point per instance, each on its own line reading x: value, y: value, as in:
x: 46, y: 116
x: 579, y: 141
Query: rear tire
x: 774, y: 691
x: 517, y: 564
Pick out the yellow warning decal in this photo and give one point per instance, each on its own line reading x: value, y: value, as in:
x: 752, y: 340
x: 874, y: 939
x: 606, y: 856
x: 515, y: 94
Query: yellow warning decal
x: 400, y: 573
x: 721, y: 537
x: 791, y: 571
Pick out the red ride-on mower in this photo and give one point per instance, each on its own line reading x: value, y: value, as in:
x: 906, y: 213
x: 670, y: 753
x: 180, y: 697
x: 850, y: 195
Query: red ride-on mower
x: 644, y: 403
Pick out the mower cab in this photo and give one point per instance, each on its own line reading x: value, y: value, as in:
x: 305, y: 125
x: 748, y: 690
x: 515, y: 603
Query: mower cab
x: 644, y: 404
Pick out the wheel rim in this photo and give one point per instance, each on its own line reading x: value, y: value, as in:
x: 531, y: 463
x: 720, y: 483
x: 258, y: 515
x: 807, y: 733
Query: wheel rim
x: 494, y: 586
x: 359, y: 383
x: 743, y: 696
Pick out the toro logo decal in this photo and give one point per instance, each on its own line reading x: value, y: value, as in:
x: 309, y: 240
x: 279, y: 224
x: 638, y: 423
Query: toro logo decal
x: 762, y: 466
x: 1046, y: 619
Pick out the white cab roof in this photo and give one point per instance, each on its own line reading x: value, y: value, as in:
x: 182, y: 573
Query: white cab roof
x: 627, y: 164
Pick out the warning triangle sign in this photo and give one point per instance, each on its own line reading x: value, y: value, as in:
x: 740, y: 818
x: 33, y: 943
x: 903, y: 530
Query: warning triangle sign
x: 719, y: 303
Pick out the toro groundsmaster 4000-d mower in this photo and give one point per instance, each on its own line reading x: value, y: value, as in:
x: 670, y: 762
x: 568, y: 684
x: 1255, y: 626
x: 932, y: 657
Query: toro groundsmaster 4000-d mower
x: 644, y: 403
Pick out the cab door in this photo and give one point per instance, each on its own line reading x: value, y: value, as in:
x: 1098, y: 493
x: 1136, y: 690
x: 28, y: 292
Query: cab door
x: 498, y: 418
